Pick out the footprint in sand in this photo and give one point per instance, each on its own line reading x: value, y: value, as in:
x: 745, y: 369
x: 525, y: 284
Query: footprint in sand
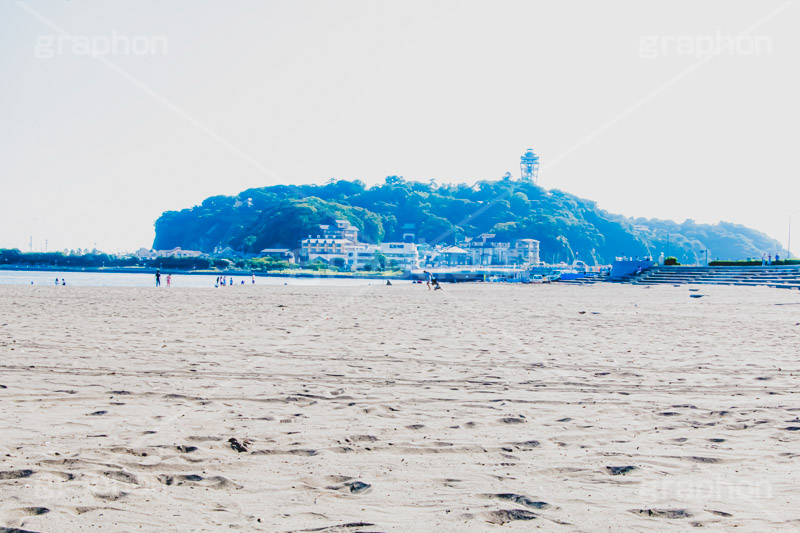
x: 527, y: 445
x: 119, y: 475
x: 195, y: 480
x: 620, y: 470
x: 662, y: 513
x: 521, y: 499
x: 111, y: 496
x: 32, y: 511
x: 505, y: 516
x: 352, y: 487
x: 15, y: 474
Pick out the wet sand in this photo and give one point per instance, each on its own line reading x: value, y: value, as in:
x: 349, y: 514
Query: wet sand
x: 475, y: 408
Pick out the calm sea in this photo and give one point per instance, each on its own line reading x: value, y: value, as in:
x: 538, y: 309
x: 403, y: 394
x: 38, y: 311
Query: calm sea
x: 113, y: 279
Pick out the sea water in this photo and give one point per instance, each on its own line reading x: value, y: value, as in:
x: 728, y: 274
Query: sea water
x: 116, y: 279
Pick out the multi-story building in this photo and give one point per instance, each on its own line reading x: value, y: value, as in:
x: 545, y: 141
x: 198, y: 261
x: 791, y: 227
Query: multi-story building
x: 333, y: 244
x: 524, y: 252
x: 486, y: 250
x: 328, y: 249
x: 403, y: 254
x: 362, y: 255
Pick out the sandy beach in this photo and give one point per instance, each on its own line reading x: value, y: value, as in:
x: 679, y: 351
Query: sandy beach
x: 476, y: 408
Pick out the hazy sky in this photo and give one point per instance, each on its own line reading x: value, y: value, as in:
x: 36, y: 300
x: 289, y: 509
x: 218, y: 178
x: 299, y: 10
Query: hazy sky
x: 112, y: 112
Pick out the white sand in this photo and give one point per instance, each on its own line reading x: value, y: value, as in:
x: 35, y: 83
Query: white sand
x: 438, y: 401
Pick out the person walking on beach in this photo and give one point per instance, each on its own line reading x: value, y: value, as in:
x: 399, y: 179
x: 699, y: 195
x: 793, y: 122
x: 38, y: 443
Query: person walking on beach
x: 428, y: 278
x: 169, y: 280
x: 254, y: 279
x: 158, y: 277
x: 763, y: 259
x: 56, y: 282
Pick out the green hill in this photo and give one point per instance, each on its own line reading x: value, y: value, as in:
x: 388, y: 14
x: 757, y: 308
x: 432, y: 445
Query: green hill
x: 566, y: 226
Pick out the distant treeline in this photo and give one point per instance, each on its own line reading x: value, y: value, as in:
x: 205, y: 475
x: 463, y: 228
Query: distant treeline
x: 13, y: 257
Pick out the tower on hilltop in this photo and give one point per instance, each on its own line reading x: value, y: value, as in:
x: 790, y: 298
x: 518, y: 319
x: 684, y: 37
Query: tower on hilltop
x: 529, y: 166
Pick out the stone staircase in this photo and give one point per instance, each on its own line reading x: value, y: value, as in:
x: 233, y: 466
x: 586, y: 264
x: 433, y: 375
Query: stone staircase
x: 784, y: 277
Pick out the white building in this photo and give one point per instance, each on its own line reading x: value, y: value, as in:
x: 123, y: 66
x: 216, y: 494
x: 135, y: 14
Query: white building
x: 486, y: 250
x: 144, y: 253
x: 524, y: 252
x: 403, y: 254
x: 361, y: 256
x: 331, y: 250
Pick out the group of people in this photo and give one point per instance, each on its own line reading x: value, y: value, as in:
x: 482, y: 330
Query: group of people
x: 766, y: 259
x: 158, y: 278
x: 63, y: 282
x: 223, y: 280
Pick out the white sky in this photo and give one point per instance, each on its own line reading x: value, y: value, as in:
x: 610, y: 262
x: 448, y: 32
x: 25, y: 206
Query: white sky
x: 241, y: 93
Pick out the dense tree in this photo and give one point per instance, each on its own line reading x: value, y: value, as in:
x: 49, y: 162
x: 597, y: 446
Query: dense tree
x: 567, y: 227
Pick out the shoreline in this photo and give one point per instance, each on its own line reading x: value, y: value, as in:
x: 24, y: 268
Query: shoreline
x: 148, y: 270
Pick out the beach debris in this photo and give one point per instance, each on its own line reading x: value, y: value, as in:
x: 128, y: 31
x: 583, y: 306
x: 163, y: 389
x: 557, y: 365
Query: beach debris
x: 620, y: 470
x: 186, y: 449
x: 239, y: 446
x: 792, y: 428
x: 98, y: 413
x: 696, y: 295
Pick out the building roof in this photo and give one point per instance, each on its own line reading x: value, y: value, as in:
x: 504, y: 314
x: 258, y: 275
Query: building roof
x: 454, y: 250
